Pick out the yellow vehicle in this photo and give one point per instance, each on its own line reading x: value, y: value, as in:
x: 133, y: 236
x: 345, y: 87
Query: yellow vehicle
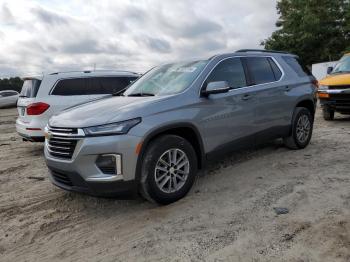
x: 334, y: 90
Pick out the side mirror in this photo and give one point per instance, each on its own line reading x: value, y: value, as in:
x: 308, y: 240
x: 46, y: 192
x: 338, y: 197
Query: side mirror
x: 329, y: 70
x: 216, y: 88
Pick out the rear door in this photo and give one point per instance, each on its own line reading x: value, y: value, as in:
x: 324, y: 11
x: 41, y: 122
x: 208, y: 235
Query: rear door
x: 272, y: 109
x: 67, y: 93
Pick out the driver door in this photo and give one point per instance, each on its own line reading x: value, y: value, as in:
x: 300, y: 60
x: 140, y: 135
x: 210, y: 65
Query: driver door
x: 227, y: 119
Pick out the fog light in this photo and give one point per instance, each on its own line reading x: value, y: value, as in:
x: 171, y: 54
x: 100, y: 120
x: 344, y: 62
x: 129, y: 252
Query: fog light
x: 110, y: 164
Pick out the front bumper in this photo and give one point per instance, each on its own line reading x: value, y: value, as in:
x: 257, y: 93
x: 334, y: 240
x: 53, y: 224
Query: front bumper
x: 335, y: 99
x: 81, y: 174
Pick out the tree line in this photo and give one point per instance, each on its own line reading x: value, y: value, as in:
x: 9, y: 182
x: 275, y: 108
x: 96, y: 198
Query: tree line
x: 315, y: 30
x: 12, y: 83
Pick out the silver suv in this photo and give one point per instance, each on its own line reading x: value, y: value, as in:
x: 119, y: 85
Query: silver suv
x: 155, y: 136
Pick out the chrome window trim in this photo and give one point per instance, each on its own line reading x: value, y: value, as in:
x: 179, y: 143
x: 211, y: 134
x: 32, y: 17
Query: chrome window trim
x: 244, y: 87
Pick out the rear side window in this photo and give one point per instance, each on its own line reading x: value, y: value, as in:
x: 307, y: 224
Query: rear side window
x: 9, y: 93
x: 297, y: 66
x: 91, y: 86
x: 230, y: 70
x: 260, y: 70
x: 70, y: 87
x: 110, y: 85
x: 30, y: 88
x: 276, y: 71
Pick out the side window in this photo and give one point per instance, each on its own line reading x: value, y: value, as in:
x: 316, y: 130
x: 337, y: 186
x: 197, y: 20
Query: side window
x: 9, y: 93
x: 230, y: 70
x: 70, y: 87
x: 297, y: 66
x: 110, y: 85
x: 276, y: 71
x: 260, y: 70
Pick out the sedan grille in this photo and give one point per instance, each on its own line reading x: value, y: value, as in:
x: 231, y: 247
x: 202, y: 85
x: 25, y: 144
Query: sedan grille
x: 61, y: 142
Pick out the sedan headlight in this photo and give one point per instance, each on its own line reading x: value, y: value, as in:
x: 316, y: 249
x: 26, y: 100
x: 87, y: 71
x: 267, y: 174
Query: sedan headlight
x: 322, y: 87
x: 118, y: 128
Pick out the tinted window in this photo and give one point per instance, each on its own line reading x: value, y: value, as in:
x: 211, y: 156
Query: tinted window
x: 30, y: 88
x: 230, y: 70
x: 276, y: 71
x: 8, y: 93
x: 110, y: 85
x: 260, y: 70
x: 70, y: 87
x: 297, y: 66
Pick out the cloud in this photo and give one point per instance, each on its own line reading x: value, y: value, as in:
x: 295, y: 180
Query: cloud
x: 43, y: 36
x: 48, y: 17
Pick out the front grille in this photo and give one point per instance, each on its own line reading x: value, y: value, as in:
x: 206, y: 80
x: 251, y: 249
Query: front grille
x: 62, y: 142
x: 61, y: 178
x: 339, y: 87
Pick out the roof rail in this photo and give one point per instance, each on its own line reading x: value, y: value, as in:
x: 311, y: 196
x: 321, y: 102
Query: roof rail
x: 261, y: 51
x: 91, y: 71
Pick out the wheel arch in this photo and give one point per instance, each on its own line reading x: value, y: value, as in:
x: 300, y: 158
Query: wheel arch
x: 186, y: 130
x: 307, y: 103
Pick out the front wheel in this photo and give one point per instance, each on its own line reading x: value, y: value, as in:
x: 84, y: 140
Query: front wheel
x: 301, y: 132
x: 328, y: 114
x: 169, y: 169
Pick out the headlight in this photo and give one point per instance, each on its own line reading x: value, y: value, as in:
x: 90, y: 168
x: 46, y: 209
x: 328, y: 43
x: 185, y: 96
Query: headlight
x: 322, y: 87
x: 118, y: 128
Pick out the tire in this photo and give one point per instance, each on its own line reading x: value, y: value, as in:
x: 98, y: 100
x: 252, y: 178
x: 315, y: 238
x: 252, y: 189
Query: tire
x: 328, y: 114
x: 296, y: 140
x: 156, y: 164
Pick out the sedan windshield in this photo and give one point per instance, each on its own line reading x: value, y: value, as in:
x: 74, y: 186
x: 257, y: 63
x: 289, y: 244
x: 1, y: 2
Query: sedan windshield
x: 343, y: 66
x: 167, y: 79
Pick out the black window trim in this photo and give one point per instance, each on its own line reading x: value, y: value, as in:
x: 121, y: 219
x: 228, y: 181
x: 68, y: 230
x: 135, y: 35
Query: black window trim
x: 248, y: 77
x: 83, y: 77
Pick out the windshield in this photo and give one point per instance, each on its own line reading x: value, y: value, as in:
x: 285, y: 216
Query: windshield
x: 167, y: 79
x: 30, y: 88
x: 343, y: 66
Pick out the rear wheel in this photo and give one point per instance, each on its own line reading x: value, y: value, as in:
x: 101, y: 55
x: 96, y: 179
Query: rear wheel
x: 302, y: 126
x: 328, y: 114
x: 168, y: 170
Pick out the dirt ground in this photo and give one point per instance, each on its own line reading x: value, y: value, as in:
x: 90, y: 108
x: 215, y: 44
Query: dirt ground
x: 228, y: 216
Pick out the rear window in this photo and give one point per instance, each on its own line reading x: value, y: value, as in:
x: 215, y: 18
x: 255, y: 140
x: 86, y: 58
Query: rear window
x: 297, y: 66
x: 30, y: 88
x: 260, y: 70
x: 110, y: 85
x: 91, y: 86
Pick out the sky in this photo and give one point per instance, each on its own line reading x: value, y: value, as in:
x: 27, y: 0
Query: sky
x: 46, y: 36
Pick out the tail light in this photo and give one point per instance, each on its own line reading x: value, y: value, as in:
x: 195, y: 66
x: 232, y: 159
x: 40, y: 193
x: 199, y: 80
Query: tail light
x: 315, y: 82
x: 37, y: 108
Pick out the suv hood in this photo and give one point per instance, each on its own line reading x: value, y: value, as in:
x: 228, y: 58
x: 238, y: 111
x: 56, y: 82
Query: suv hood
x: 336, y: 80
x: 109, y: 110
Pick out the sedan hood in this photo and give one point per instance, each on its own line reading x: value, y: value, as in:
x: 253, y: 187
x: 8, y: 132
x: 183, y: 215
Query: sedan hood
x: 109, y: 110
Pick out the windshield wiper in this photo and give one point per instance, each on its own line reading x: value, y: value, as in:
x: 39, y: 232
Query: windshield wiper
x: 119, y: 93
x: 142, y: 94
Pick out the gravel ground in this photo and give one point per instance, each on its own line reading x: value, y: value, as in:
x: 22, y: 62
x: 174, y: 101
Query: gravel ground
x: 228, y: 216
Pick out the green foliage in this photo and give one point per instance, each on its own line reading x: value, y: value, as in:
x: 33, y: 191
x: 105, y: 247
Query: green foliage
x: 13, y: 83
x: 316, y: 30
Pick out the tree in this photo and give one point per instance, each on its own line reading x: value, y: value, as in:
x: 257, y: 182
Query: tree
x: 13, y: 83
x: 316, y: 30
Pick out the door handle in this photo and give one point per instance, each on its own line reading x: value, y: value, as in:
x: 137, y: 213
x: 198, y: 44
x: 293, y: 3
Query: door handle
x: 246, y: 97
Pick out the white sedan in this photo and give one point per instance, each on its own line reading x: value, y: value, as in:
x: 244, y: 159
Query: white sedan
x: 8, y: 98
